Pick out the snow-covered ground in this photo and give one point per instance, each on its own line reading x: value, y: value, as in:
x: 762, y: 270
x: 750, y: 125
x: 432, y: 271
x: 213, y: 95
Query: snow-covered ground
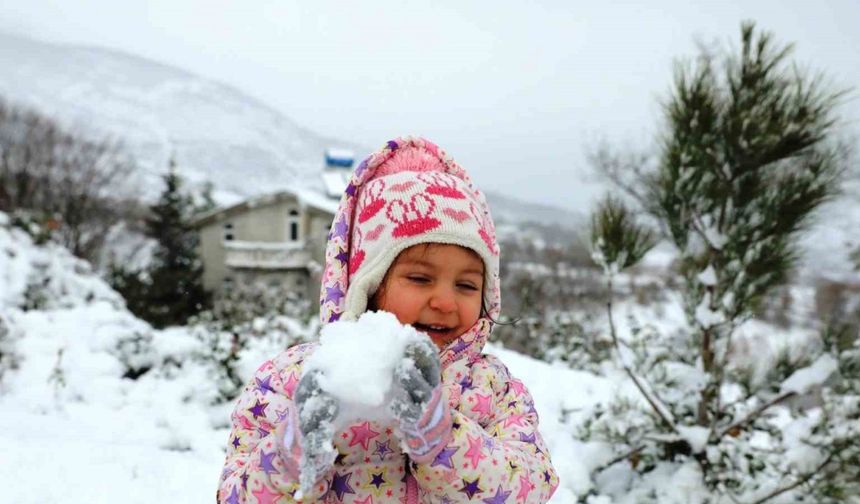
x: 73, y: 430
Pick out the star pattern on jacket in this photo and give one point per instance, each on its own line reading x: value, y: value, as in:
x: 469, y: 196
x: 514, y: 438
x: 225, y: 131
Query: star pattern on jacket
x: 482, y: 404
x: 340, y: 484
x: 444, y: 457
x: 290, y: 384
x: 526, y: 487
x: 377, y: 480
x: 475, y: 452
x: 234, y: 496
x: 266, y: 462
x: 383, y: 448
x: 265, y: 495
x: 264, y: 385
x: 259, y: 409
x: 362, y: 434
x: 470, y: 488
x: 499, y: 498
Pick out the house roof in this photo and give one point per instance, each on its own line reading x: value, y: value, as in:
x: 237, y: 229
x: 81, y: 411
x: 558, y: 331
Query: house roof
x: 305, y: 197
x: 339, y: 157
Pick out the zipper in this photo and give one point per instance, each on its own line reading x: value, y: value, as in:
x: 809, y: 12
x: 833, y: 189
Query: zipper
x: 411, y: 487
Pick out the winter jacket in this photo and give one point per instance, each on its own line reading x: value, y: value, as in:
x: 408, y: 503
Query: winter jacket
x: 493, y: 453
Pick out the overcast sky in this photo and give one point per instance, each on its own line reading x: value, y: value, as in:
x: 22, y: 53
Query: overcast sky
x: 515, y: 90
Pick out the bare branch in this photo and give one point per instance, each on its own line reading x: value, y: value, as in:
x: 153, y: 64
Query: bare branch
x: 801, y: 481
x: 62, y: 177
x: 624, y: 172
x: 655, y: 403
x: 617, y: 459
x: 756, y: 413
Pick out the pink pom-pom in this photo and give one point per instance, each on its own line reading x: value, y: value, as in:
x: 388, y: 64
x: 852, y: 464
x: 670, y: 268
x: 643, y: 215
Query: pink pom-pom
x: 410, y: 159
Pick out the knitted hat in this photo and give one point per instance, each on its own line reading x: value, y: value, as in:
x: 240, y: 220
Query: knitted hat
x: 406, y: 194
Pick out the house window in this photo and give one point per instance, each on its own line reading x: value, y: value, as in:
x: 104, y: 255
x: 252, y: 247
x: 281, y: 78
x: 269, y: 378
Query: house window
x: 293, y: 225
x: 228, y: 231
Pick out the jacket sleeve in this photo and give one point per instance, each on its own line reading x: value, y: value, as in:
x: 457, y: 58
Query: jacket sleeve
x: 258, y: 468
x: 495, y: 452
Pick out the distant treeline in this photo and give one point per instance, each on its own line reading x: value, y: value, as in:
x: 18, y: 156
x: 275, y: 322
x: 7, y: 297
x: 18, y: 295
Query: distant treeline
x: 66, y: 181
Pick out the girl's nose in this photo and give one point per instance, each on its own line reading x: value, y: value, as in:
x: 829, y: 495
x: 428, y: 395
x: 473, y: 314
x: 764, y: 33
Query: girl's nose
x: 443, y: 300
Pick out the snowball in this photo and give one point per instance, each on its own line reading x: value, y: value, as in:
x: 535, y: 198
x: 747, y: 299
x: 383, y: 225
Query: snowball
x: 357, y: 360
x: 803, y: 379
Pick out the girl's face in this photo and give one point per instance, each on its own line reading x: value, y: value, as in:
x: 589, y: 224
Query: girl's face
x: 435, y: 288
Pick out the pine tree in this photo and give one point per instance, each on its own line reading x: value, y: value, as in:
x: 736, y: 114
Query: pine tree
x: 205, y: 201
x: 176, y: 290
x: 171, y: 289
x: 746, y: 158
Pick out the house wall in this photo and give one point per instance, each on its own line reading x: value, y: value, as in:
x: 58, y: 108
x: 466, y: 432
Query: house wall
x: 211, y: 252
x: 293, y: 280
x: 266, y: 223
x: 318, y: 226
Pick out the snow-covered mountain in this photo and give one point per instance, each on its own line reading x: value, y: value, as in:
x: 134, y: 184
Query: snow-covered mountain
x: 216, y: 132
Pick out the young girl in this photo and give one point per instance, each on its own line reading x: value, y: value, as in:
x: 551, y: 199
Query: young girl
x: 412, y: 237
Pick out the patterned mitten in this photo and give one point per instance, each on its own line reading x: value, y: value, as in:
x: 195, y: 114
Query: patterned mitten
x: 424, y: 417
x: 316, y: 411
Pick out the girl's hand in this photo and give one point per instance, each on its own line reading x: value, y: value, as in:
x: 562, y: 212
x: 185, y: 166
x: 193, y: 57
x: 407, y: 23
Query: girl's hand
x: 415, y: 378
x: 424, y: 415
x: 317, y: 410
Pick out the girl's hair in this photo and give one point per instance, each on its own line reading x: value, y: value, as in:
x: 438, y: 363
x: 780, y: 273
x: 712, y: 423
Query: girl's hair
x: 486, y: 314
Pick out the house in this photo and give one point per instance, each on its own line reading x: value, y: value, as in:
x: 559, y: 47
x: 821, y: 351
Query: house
x: 276, y: 238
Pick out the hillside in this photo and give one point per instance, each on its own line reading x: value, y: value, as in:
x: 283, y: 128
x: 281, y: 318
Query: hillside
x: 216, y: 132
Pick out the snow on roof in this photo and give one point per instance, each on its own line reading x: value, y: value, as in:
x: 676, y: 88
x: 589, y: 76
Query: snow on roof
x: 306, y: 196
x: 335, y: 182
x: 313, y: 198
x: 340, y: 153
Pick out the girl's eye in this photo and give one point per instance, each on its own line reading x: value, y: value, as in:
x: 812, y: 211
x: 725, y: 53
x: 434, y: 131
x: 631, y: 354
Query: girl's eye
x: 418, y: 279
x: 467, y: 286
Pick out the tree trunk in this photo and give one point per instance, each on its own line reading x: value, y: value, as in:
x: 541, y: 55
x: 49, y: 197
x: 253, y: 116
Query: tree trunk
x: 708, y: 393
